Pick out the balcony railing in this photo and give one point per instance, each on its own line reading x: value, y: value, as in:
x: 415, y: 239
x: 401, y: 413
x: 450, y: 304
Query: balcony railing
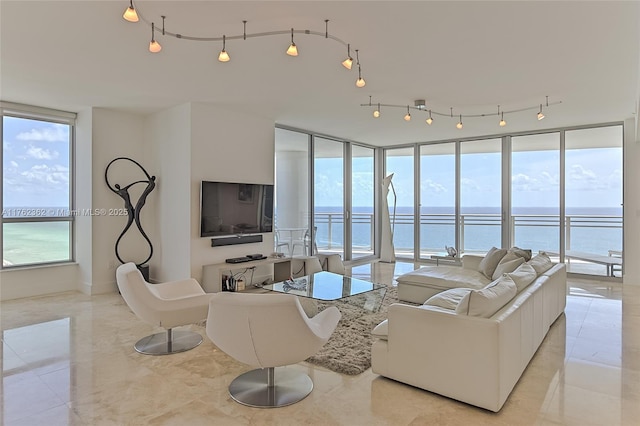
x: 590, y: 233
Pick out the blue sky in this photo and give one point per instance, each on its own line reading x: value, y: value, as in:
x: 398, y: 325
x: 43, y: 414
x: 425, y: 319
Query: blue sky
x: 593, y: 179
x: 35, y: 163
x: 36, y: 174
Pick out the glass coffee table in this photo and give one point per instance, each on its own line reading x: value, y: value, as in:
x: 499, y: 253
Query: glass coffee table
x: 327, y: 286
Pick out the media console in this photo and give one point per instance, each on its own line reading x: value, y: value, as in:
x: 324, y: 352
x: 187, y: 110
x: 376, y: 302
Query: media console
x: 212, y: 274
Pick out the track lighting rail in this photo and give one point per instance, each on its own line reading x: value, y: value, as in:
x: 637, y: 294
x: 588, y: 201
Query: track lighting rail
x: 132, y: 14
x: 420, y: 105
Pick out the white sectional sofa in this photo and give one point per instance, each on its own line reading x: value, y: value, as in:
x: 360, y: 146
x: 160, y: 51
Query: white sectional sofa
x: 444, y: 349
x: 419, y: 285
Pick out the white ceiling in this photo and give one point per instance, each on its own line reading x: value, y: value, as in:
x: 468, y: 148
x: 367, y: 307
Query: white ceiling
x: 471, y: 56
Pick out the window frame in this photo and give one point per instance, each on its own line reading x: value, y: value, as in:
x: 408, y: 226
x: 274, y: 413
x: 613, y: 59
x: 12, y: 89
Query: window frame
x: 8, y: 109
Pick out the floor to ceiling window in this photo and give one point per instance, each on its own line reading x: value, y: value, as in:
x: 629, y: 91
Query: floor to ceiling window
x: 535, y: 192
x: 593, y: 199
x: 37, y: 215
x: 437, y: 198
x: 399, y: 161
x: 362, y: 201
x: 558, y: 192
x: 480, y: 195
x: 328, y: 194
x: 292, y: 213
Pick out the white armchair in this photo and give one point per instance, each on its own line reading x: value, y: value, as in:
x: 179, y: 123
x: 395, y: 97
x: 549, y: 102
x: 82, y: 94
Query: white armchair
x: 167, y: 305
x: 268, y: 331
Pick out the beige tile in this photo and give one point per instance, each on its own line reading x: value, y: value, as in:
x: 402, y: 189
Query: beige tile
x: 69, y: 359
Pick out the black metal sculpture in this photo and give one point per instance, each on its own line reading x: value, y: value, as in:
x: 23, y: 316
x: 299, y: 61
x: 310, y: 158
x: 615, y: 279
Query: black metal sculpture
x: 133, y: 212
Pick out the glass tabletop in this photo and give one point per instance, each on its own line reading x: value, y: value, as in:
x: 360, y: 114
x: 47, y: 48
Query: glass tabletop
x: 324, y: 286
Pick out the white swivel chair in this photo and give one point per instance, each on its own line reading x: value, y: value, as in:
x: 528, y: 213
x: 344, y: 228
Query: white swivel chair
x: 167, y: 305
x: 268, y: 331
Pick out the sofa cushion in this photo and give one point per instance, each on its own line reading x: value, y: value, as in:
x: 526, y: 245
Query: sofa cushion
x: 523, y: 276
x: 487, y: 301
x: 541, y: 263
x: 490, y: 262
x: 381, y: 330
x: 448, y: 299
x: 508, y: 263
x: 524, y: 253
x: 444, y: 277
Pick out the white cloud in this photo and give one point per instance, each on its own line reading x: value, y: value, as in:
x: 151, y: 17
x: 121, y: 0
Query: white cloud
x: 433, y: 187
x: 49, y: 176
x: 41, y: 154
x: 469, y: 184
x: 53, y: 133
x: 14, y: 164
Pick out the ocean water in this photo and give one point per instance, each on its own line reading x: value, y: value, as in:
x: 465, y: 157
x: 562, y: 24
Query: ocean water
x: 593, y: 230
x: 35, y: 242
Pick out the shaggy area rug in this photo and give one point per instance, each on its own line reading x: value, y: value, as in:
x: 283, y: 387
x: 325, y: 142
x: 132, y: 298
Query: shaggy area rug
x: 348, y: 351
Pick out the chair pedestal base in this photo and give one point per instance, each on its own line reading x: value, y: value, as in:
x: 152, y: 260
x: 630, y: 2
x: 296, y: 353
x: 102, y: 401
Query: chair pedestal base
x: 287, y: 387
x: 167, y: 343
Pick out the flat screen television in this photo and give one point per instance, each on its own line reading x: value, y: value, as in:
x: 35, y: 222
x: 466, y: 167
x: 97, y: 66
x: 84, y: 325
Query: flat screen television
x: 231, y: 208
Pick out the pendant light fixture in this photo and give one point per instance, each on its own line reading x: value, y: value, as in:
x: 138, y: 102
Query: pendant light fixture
x: 407, y: 117
x: 429, y: 120
x: 130, y: 13
x: 540, y: 114
x: 360, y: 81
x: 348, y: 63
x: 293, y: 49
x: 459, y: 125
x: 376, y: 113
x: 501, y: 123
x: 224, y: 56
x: 154, y: 46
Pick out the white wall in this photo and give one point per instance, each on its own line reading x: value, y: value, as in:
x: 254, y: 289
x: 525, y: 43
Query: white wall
x: 169, y: 146
x: 115, y: 134
x: 631, y: 204
x: 84, y: 201
x: 227, y: 145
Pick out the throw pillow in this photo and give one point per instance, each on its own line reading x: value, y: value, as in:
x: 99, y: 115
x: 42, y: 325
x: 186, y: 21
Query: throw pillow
x: 524, y: 253
x: 508, y: 263
x: 448, y: 299
x: 487, y: 301
x: 541, y: 263
x: 490, y: 261
x: 523, y: 276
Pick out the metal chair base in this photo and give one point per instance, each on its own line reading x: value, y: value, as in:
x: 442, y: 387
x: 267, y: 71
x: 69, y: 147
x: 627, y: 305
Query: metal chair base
x: 167, y: 343
x: 269, y: 388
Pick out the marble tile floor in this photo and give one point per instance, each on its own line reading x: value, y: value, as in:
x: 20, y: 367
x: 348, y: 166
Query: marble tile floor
x: 68, y: 359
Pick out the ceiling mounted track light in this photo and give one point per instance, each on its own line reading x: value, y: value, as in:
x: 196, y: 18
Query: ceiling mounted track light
x: 348, y: 63
x: 224, y: 56
x: 133, y: 14
x: 293, y: 49
x: 420, y: 105
x: 407, y: 117
x: 130, y: 13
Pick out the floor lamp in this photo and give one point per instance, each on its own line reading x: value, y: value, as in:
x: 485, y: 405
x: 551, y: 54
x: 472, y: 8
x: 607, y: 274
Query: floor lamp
x: 387, y: 251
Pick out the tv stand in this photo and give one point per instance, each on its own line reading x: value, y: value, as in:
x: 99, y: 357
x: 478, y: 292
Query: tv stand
x: 212, y: 274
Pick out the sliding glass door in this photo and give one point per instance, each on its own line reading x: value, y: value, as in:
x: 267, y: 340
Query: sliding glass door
x: 593, y: 199
x: 437, y: 198
x: 535, y: 192
x: 362, y: 201
x: 328, y: 184
x: 480, y: 222
x: 399, y: 162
